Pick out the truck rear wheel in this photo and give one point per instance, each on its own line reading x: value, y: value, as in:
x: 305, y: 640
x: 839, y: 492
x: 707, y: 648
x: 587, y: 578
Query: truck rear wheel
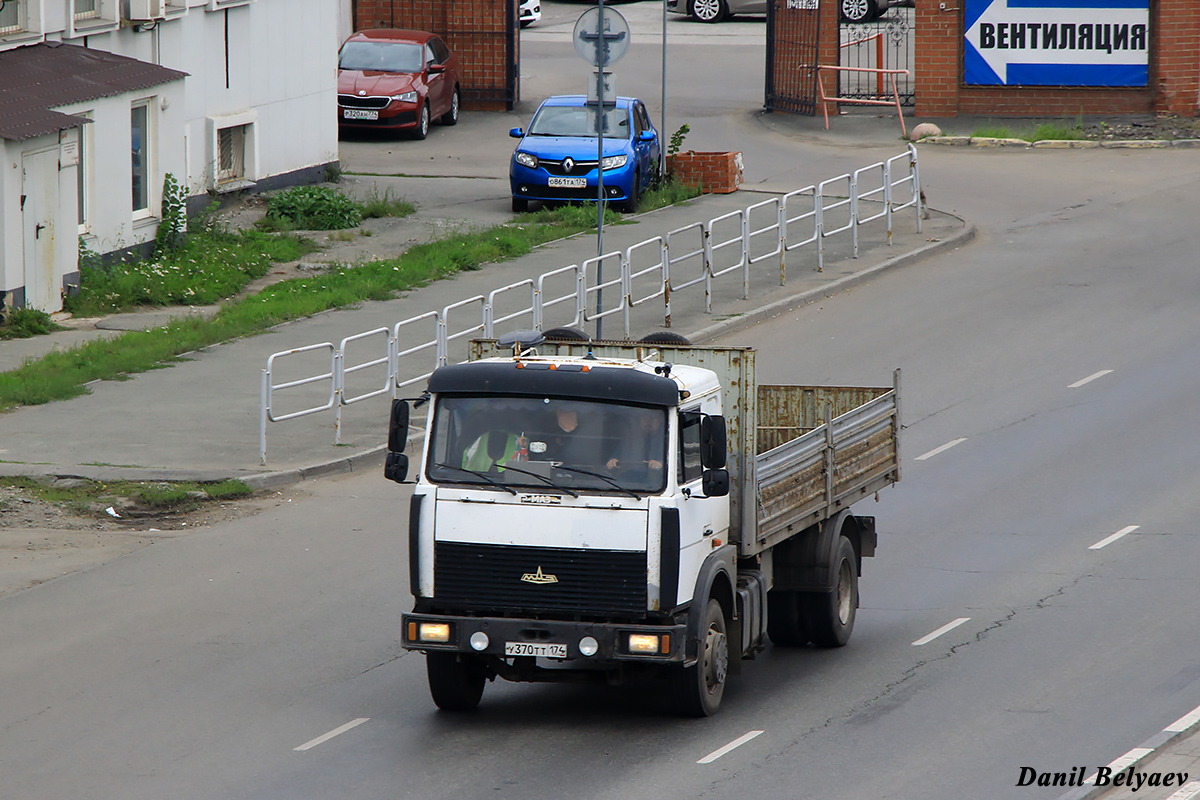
x: 829, y: 616
x: 698, y: 689
x: 455, y: 682
x: 785, y: 620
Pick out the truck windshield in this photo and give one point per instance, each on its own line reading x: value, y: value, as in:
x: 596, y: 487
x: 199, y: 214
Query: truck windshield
x: 543, y: 443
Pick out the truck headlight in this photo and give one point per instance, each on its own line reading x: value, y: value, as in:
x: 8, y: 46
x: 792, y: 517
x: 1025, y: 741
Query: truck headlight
x: 527, y: 160
x: 479, y: 641
x: 588, y: 646
x: 613, y: 162
x: 649, y: 643
x: 433, y: 632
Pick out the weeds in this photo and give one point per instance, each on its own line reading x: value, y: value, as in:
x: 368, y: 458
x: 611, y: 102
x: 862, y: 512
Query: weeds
x: 1039, y: 133
x: 24, y: 323
x: 85, y: 496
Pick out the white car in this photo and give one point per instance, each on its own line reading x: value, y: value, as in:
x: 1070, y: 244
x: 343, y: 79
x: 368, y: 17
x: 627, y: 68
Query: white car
x: 531, y: 12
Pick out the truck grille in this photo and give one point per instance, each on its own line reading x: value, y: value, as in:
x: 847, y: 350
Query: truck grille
x: 489, y: 577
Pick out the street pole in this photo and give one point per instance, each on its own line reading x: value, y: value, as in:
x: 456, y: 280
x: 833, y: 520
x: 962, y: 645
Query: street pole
x: 602, y: 51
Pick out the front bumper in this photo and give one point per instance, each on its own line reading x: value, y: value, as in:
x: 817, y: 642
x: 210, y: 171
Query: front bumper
x: 531, y: 184
x: 612, y: 639
x: 393, y: 117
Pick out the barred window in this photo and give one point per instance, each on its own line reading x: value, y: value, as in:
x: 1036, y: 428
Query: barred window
x: 231, y: 154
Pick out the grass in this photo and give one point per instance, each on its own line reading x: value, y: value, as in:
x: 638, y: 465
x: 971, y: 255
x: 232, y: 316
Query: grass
x: 85, y: 495
x: 25, y: 323
x: 64, y: 374
x: 1042, y: 132
x: 208, y: 267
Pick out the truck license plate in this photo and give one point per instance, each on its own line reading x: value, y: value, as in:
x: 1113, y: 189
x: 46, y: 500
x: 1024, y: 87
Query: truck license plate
x: 540, y: 649
x: 567, y: 183
x: 359, y: 113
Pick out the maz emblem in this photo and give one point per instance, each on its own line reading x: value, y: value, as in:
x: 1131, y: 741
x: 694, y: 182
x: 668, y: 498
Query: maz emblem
x: 539, y: 577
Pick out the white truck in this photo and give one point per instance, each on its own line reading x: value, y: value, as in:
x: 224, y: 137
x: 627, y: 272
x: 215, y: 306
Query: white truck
x: 617, y: 511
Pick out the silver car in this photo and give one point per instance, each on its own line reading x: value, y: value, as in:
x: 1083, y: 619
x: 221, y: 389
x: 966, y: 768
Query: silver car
x: 717, y: 10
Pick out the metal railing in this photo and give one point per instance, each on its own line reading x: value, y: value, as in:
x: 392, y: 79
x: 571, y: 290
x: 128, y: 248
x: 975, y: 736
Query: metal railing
x: 655, y: 269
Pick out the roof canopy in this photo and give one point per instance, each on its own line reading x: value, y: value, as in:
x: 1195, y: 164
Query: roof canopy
x: 40, y: 77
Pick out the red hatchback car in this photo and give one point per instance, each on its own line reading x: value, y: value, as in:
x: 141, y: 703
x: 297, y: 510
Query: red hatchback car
x: 397, y: 80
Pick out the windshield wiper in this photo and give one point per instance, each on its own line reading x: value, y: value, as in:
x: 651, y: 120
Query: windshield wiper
x: 602, y: 477
x: 479, y: 474
x: 508, y: 466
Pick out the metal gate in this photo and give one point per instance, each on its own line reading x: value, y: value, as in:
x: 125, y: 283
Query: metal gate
x: 793, y: 36
x: 885, y: 42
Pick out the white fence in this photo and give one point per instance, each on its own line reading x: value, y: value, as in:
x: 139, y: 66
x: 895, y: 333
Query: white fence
x: 653, y: 270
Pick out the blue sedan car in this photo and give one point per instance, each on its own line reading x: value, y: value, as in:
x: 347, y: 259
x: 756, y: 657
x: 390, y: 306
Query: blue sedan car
x: 556, y: 158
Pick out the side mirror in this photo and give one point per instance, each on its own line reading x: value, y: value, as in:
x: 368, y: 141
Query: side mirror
x: 437, y: 69
x: 712, y: 444
x: 516, y: 133
x: 715, y: 482
x: 396, y: 467
x: 398, y: 427
x: 647, y: 136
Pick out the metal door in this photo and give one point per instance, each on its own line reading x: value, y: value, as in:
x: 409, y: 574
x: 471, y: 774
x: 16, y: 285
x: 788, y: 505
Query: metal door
x: 885, y: 42
x: 793, y: 35
x: 39, y: 212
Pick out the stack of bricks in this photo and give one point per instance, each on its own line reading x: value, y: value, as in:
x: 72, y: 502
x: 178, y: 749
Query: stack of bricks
x: 476, y: 31
x: 1174, y: 71
x: 718, y: 173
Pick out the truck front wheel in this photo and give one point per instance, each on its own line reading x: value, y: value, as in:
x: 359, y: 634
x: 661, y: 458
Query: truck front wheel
x: 455, y: 682
x: 698, y: 689
x: 829, y: 616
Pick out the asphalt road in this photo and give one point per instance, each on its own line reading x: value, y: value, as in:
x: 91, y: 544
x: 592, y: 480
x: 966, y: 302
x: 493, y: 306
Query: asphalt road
x: 1050, y: 385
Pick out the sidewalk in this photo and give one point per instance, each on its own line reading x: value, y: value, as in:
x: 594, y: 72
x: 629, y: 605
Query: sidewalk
x: 1169, y: 757
x: 199, y: 419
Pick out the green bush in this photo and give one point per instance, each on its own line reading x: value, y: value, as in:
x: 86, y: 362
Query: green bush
x: 315, y: 208
x: 23, y: 323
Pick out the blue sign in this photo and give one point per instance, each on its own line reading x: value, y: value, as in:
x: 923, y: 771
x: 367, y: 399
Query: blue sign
x: 1056, y: 43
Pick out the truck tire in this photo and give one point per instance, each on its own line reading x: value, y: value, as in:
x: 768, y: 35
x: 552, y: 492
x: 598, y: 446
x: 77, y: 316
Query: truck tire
x: 664, y: 337
x: 785, y: 621
x: 455, y: 682
x: 697, y: 690
x: 829, y: 616
x: 565, y: 335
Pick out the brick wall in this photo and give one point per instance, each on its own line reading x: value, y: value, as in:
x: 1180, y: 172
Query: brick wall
x: 1174, y: 71
x: 719, y: 172
x: 476, y: 30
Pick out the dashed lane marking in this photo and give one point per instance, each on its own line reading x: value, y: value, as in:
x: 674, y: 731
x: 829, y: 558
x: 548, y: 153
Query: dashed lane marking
x: 949, y: 626
x: 941, y: 449
x: 1105, y: 542
x: 1089, y: 378
x: 736, y: 743
x: 354, y: 723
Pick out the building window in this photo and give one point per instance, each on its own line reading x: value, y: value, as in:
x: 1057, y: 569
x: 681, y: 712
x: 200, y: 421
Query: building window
x: 140, y: 141
x: 87, y: 9
x: 231, y: 154
x: 11, y: 18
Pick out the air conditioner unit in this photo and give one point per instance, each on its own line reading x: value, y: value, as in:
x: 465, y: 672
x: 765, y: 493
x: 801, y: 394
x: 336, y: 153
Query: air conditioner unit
x: 146, y: 10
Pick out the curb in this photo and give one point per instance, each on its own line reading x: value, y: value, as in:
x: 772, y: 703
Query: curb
x: 1179, y: 729
x: 1060, y: 144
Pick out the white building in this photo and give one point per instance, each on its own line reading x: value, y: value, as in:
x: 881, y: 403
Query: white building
x: 101, y: 99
